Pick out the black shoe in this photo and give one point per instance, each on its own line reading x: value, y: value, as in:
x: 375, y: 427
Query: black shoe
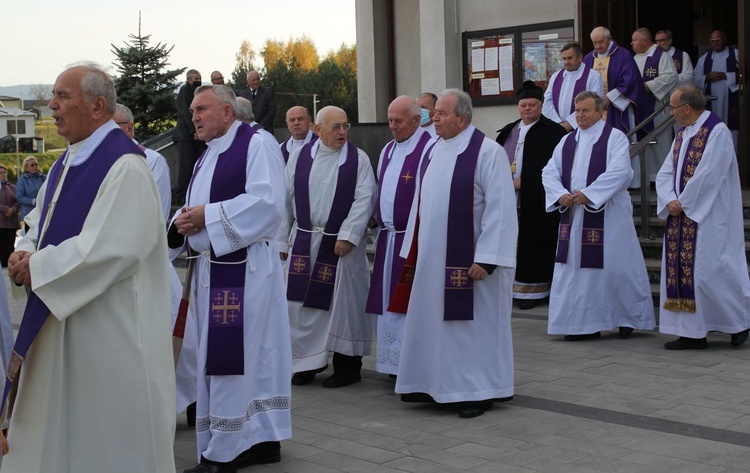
x: 259, y: 454
x: 416, y: 397
x: 474, y: 408
x: 625, y: 332
x: 190, y: 413
x: 581, y: 337
x: 341, y: 380
x: 306, y: 377
x: 392, y: 376
x: 684, y: 343
x: 205, y: 467
x: 527, y: 304
x: 740, y: 338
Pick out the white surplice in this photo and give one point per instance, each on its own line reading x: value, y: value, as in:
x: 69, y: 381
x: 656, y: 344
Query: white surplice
x: 345, y: 328
x: 713, y: 199
x: 567, y: 112
x: 235, y: 412
x: 97, y: 386
x: 588, y: 300
x: 658, y: 91
x: 468, y: 360
x: 719, y: 88
x: 185, y: 372
x: 291, y: 144
x: 686, y: 76
x: 390, y: 326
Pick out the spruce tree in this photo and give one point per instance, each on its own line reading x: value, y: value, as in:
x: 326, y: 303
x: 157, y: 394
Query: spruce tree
x: 145, y: 85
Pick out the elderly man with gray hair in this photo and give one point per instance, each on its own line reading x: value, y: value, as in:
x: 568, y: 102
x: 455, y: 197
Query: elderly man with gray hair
x: 600, y: 280
x: 234, y: 207
x: 330, y: 201
x: 460, y: 250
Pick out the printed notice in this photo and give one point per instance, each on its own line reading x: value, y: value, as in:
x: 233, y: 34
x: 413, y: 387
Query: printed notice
x: 506, y: 68
x: 490, y: 86
x: 477, y: 60
x: 490, y: 59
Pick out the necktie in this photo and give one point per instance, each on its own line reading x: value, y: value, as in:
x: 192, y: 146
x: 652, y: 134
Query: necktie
x: 254, y: 92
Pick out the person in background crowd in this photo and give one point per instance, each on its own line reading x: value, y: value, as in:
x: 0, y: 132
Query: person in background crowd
x: 28, y: 186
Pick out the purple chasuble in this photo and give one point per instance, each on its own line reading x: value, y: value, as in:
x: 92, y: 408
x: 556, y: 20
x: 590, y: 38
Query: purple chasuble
x: 401, y: 207
x: 733, y: 107
x: 623, y: 75
x: 578, y: 87
x: 592, y: 233
x: 315, y: 287
x: 76, y: 197
x: 681, y: 233
x: 225, y: 346
x: 285, y: 151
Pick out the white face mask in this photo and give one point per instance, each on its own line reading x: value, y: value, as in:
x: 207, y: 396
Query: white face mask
x: 425, y: 117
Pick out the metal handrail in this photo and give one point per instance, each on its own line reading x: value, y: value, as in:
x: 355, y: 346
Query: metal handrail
x: 639, y: 149
x: 648, y: 120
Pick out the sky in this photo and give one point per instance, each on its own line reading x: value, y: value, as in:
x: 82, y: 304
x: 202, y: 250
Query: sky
x: 40, y: 40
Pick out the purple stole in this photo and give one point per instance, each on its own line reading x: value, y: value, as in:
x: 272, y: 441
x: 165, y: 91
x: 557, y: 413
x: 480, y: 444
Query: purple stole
x: 681, y: 233
x: 677, y: 57
x: 225, y: 346
x: 578, y: 87
x: 592, y: 234
x: 404, y: 196
x: 733, y: 110
x: 315, y: 288
x: 79, y: 191
x: 286, y: 153
x: 458, y: 287
x: 650, y: 72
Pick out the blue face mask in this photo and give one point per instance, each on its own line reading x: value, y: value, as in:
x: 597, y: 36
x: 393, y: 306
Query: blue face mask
x: 425, y: 114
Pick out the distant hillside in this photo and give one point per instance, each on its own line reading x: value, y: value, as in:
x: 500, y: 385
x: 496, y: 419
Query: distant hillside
x: 23, y: 91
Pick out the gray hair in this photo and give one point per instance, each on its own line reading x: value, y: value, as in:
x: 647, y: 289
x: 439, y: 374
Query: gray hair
x: 604, y: 30
x: 96, y: 83
x: 245, y: 108
x: 667, y: 33
x: 225, y: 95
x: 463, y: 102
x: 587, y: 94
x: 645, y: 33
x: 126, y: 113
x: 27, y: 160
x: 575, y: 46
x: 325, y: 111
x: 431, y: 96
x: 190, y: 73
x: 692, y: 96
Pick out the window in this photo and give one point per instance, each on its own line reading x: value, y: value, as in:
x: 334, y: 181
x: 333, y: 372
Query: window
x: 14, y: 125
x: 496, y: 62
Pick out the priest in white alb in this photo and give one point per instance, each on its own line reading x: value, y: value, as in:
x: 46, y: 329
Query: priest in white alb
x: 96, y: 391
x: 397, y: 170
x: 299, y: 124
x: 704, y: 281
x: 460, y: 250
x: 659, y: 77
x: 233, y: 209
x: 565, y: 84
x: 600, y: 280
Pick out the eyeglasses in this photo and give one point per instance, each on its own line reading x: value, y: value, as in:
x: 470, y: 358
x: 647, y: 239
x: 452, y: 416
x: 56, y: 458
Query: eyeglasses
x: 33, y: 165
x: 339, y: 126
x: 678, y: 106
x: 122, y: 123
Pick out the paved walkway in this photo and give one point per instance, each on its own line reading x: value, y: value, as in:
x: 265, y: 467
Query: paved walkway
x: 605, y: 405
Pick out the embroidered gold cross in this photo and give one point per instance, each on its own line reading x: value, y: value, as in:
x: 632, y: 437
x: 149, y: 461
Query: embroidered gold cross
x: 459, y: 278
x: 299, y: 265
x: 651, y: 73
x: 406, y: 177
x: 225, y: 309
x: 325, y: 274
x: 592, y: 236
x: 600, y: 68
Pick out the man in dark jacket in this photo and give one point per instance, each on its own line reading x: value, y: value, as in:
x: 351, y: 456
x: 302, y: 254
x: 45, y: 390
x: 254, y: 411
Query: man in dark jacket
x: 529, y: 143
x: 189, y: 145
x: 263, y: 99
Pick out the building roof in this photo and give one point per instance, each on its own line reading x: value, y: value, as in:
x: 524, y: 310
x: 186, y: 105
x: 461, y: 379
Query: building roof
x: 15, y: 112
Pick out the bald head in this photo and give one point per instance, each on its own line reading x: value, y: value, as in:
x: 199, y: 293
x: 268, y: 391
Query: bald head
x: 601, y: 38
x: 403, y: 117
x: 298, y: 121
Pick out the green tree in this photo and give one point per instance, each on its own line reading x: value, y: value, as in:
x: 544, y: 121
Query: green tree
x: 337, y: 80
x: 145, y: 85
x: 245, y: 63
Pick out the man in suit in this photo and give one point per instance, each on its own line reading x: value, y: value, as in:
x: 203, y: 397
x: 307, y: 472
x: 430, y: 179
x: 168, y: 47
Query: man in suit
x: 263, y: 99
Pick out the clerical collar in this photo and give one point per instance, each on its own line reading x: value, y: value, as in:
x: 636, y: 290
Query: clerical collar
x: 567, y: 72
x: 595, y: 128
x: 221, y: 143
x: 521, y: 126
x: 79, y: 152
x: 410, y: 140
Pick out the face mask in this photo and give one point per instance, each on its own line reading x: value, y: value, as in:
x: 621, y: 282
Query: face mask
x: 196, y: 84
x: 425, y: 114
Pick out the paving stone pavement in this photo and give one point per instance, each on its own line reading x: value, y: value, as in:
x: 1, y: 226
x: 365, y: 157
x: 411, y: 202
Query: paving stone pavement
x: 605, y: 405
